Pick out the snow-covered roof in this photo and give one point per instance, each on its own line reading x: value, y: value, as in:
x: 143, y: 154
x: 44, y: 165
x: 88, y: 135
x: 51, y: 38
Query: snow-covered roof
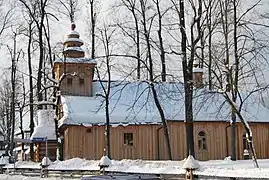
x: 197, y: 69
x: 19, y: 148
x: 75, y: 60
x: 73, y: 40
x: 45, y: 125
x: 132, y: 103
x: 73, y: 49
x: 73, y: 33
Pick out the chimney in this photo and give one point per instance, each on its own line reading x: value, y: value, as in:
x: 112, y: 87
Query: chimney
x: 197, y: 75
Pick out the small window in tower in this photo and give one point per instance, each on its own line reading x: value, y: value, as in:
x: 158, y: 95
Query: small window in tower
x: 69, y: 81
x: 128, y: 139
x: 81, y: 81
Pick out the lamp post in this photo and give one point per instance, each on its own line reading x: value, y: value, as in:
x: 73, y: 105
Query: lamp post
x: 61, y: 147
x: 190, y: 165
x: 105, y: 162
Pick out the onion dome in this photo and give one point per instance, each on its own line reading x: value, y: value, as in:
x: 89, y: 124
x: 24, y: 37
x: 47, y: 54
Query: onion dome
x: 73, y: 44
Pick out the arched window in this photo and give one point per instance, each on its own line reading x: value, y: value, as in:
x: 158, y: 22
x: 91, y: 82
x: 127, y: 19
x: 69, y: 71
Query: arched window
x: 245, y: 142
x: 202, y: 140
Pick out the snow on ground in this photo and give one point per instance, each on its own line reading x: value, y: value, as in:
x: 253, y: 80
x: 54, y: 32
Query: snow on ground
x: 219, y: 168
x: 20, y: 177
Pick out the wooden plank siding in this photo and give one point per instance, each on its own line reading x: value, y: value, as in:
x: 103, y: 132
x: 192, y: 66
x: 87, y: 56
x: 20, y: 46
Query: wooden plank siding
x: 83, y: 71
x: 40, y: 151
x: 148, y: 141
x: 260, y: 133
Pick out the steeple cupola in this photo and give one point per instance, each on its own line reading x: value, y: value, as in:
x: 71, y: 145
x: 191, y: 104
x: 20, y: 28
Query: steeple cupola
x: 79, y: 69
x: 197, y: 75
x: 72, y: 45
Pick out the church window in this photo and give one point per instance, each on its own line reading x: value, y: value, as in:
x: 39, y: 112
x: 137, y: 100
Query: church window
x: 202, y: 140
x: 128, y: 139
x: 245, y: 142
x: 81, y: 81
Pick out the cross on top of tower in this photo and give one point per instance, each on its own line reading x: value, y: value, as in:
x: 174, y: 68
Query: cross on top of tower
x: 73, y: 26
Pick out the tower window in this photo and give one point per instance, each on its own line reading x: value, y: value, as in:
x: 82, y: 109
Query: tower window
x: 202, y: 140
x: 81, y: 81
x: 69, y: 81
x: 128, y: 139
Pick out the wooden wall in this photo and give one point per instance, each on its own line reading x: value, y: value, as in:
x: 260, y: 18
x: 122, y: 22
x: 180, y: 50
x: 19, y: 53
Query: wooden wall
x: 83, y: 142
x: 83, y: 71
x: 260, y: 133
x: 40, y: 151
x: 89, y: 142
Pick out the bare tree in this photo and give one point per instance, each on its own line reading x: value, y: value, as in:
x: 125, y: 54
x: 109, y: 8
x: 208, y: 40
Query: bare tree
x: 31, y: 86
x: 93, y: 18
x: 5, y: 16
x: 5, y: 109
x: 131, y: 5
x: 143, y: 15
x: 106, y: 38
x: 37, y: 11
x: 243, y: 50
x: 21, y: 104
x: 187, y: 63
x: 15, y: 55
x: 71, y: 7
x: 146, y: 32
x: 160, y: 37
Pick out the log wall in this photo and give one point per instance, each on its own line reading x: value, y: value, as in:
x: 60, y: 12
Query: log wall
x: 148, y: 141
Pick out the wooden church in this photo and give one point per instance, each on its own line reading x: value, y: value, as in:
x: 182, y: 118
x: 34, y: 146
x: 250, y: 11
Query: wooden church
x: 135, y: 126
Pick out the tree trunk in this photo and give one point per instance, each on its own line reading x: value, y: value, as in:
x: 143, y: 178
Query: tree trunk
x: 40, y: 25
x: 13, y: 89
x: 107, y: 99
x: 8, y: 119
x: 93, y: 21
x: 162, y: 52
x: 31, y: 93
x: 138, y: 76
x: 106, y: 41
x: 235, y: 83
x: 248, y: 132
x: 107, y: 129
x: 164, y: 124
x: 151, y: 78
x: 40, y: 66
x: 187, y: 73
x: 21, y: 128
x: 131, y: 6
x: 209, y: 26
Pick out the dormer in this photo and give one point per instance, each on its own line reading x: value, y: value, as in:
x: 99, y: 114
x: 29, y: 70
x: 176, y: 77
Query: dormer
x: 79, y: 70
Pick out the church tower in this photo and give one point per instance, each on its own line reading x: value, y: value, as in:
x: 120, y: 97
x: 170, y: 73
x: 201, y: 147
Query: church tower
x: 77, y: 68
